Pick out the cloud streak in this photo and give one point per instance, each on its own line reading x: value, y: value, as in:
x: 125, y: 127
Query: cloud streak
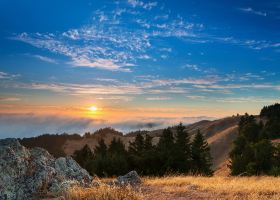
x: 7, y: 76
x: 252, y: 11
x: 45, y: 59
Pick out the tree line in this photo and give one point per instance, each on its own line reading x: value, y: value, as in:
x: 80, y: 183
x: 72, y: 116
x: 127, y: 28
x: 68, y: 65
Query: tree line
x: 253, y: 152
x: 174, y: 153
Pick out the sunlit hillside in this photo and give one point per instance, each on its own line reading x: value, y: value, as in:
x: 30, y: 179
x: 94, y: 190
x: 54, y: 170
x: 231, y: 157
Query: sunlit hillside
x: 187, y: 187
x: 219, y: 134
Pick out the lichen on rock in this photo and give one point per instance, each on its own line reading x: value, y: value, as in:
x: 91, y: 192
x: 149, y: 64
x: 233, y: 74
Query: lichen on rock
x: 24, y: 172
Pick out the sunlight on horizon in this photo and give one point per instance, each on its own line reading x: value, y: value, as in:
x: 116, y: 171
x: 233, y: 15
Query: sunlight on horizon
x: 93, y: 108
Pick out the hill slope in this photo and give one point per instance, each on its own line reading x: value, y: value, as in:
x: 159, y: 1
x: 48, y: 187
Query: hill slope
x: 219, y: 134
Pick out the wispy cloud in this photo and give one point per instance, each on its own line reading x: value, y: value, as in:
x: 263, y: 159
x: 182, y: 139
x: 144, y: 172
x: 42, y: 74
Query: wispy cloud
x: 195, y: 97
x: 84, y: 89
x: 119, y: 38
x: 141, y: 4
x: 209, y: 80
x: 234, y: 100
x: 45, y: 59
x: 98, y: 63
x: 4, y: 75
x: 106, y: 42
x: 241, y: 86
x: 192, y: 67
x: 249, y: 43
x: 116, y: 98
x: 252, y: 11
x: 158, y: 98
x: 9, y: 99
x: 250, y: 99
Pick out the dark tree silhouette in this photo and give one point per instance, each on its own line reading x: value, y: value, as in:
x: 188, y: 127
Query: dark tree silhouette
x: 201, y: 157
x: 182, y: 153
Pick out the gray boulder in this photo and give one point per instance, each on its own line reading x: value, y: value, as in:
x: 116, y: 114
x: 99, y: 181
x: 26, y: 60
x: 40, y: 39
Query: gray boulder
x: 26, y: 173
x: 131, y: 178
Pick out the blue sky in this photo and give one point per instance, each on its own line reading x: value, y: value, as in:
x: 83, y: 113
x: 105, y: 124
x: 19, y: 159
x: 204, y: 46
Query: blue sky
x: 139, y: 62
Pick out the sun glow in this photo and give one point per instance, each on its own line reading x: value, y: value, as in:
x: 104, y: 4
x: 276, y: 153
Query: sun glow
x: 93, y: 108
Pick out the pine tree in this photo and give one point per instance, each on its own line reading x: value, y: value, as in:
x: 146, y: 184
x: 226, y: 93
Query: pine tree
x: 136, y: 151
x: 101, y: 148
x: 182, y: 150
x: 201, y: 157
x: 137, y: 146
x: 148, y: 145
x: 165, y: 150
x: 252, y: 153
x: 116, y: 147
x: 263, y: 155
x: 240, y: 155
x: 166, y: 141
x: 118, y: 158
x: 84, y: 157
x: 275, y: 169
x: 101, y: 159
x: 151, y: 159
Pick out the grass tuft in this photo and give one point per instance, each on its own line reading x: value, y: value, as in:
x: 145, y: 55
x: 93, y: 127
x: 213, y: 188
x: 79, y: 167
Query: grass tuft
x: 103, y: 192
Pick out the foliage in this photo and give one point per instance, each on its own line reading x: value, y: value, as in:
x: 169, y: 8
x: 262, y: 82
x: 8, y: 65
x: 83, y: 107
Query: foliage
x: 253, y: 153
x: 271, y: 116
x: 172, y: 154
x: 182, y: 151
x: 200, y: 155
x: 84, y: 157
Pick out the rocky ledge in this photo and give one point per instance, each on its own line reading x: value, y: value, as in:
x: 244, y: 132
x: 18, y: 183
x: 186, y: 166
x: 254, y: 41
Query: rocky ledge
x: 27, y: 173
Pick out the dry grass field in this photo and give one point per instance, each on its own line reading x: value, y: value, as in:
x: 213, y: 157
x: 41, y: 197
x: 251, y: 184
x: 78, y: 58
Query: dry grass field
x: 186, y: 187
x: 103, y: 192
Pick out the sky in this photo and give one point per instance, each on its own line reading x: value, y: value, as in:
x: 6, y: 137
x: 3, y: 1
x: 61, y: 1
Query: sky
x: 76, y: 66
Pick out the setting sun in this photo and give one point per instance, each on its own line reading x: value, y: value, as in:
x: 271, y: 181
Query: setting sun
x: 93, y: 108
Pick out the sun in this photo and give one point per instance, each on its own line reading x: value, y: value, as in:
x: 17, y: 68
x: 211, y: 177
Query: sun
x: 93, y: 108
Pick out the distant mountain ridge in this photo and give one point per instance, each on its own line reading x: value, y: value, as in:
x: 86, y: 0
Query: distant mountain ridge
x: 219, y: 133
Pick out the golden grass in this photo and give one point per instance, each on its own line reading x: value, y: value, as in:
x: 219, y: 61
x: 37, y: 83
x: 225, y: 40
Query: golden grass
x: 185, y: 187
x: 103, y: 192
x: 219, y: 187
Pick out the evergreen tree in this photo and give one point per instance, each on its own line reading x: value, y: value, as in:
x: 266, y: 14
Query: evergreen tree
x: 116, y: 147
x: 240, y: 155
x: 201, y: 157
x: 137, y: 146
x: 165, y: 150
x: 84, y: 157
x: 118, y: 158
x: 252, y: 153
x: 263, y: 155
x: 275, y: 169
x: 101, y: 148
x: 166, y: 141
x: 136, y: 151
x: 151, y: 158
x: 182, y: 150
x: 148, y: 145
x: 271, y: 115
x: 101, y: 159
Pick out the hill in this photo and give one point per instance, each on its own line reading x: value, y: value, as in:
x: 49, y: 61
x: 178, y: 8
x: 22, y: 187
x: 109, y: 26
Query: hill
x: 219, y: 134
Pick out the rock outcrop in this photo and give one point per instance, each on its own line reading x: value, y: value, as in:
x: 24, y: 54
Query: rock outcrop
x: 131, y: 178
x: 26, y: 173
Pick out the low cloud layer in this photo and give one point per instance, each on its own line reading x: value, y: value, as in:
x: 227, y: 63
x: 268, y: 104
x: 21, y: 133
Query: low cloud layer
x: 28, y: 125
